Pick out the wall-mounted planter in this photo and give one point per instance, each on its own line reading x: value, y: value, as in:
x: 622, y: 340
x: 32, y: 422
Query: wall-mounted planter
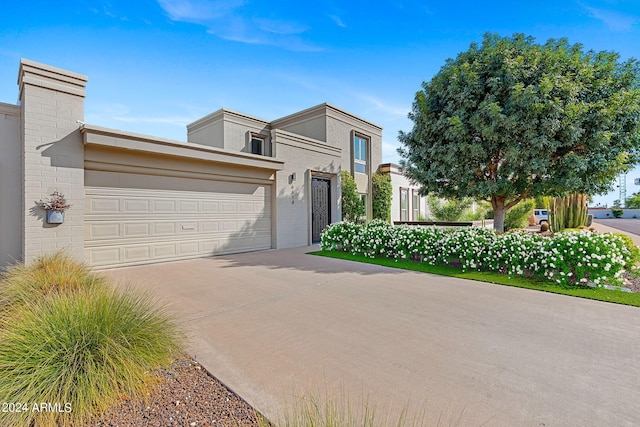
x: 55, y: 217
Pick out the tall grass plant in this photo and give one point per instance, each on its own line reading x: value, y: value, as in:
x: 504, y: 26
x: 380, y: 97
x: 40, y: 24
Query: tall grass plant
x: 73, y: 342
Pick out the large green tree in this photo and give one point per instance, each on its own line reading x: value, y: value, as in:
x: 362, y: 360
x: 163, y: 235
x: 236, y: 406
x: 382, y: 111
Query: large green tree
x: 512, y: 119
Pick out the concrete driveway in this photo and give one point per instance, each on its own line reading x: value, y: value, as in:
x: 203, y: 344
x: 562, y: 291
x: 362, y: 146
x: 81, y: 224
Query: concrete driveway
x: 630, y: 227
x: 276, y: 323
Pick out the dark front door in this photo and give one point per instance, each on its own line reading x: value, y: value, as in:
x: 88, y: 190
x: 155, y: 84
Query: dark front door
x: 320, y: 207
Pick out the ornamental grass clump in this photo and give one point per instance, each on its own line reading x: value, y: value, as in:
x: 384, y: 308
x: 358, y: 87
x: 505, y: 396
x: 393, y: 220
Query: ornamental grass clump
x: 83, y: 351
x: 80, y: 349
x: 326, y: 409
x: 49, y: 274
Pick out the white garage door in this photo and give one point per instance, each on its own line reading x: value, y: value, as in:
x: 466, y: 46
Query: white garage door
x: 126, y: 226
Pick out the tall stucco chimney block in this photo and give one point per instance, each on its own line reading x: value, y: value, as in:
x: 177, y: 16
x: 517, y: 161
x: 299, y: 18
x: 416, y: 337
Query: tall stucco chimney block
x: 52, y: 108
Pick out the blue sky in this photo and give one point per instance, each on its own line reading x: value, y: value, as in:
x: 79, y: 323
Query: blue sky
x: 155, y: 66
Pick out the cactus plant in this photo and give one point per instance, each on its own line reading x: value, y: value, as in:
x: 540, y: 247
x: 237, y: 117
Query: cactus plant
x: 569, y: 211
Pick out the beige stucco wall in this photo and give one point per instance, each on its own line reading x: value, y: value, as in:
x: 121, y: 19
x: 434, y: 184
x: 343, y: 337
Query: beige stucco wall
x: 305, y: 157
x: 52, y: 103
x: 237, y: 136
x: 400, y: 181
x: 10, y: 185
x: 311, y: 123
x: 336, y: 128
x: 208, y: 130
x: 340, y: 129
x: 229, y: 130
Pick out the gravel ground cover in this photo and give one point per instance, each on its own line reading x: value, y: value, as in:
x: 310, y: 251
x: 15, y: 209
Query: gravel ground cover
x: 187, y: 396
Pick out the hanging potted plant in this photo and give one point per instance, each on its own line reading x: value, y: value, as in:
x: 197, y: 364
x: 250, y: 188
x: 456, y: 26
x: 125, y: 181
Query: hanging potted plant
x: 55, y: 206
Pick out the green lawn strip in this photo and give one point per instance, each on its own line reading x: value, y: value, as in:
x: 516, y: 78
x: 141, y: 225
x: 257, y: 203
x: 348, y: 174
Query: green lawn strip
x: 598, y: 294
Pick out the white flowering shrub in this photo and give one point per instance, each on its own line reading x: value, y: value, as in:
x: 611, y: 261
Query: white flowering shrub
x: 469, y: 246
x: 581, y: 257
x: 515, y: 254
x: 376, y: 240
x: 341, y: 236
x: 417, y: 243
x: 565, y: 258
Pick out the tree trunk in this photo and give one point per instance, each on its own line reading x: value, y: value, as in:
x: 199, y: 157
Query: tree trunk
x: 498, y: 213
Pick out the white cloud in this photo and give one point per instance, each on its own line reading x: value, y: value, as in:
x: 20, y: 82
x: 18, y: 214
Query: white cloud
x: 198, y: 10
x: 224, y: 19
x: 280, y: 27
x: 614, y: 20
x: 338, y: 21
x: 384, y: 107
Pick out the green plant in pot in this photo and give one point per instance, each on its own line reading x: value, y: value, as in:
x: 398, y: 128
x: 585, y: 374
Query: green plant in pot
x: 55, y: 206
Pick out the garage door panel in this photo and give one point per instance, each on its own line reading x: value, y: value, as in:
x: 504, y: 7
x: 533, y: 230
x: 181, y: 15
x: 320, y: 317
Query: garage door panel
x: 137, y: 229
x: 164, y: 206
x: 102, y: 231
x: 211, y: 207
x: 125, y: 226
x: 136, y: 205
x: 164, y: 251
x: 137, y: 253
x: 188, y: 206
x: 189, y: 248
x: 164, y: 228
x: 103, y: 256
x: 102, y: 204
x: 210, y: 226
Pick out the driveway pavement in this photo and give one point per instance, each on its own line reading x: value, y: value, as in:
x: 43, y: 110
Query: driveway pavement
x: 630, y: 227
x: 272, y: 324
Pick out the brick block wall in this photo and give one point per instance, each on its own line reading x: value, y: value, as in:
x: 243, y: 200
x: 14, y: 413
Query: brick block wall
x: 52, y: 102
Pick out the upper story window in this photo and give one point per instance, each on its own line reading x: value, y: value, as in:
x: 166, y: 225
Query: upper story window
x: 404, y: 204
x: 359, y: 154
x: 257, y: 145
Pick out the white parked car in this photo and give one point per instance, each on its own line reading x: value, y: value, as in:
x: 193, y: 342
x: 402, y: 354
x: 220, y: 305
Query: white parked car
x: 541, y: 215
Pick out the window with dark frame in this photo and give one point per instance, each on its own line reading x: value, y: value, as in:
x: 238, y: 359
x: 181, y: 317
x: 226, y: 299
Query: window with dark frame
x: 415, y: 205
x: 257, y: 145
x: 359, y: 154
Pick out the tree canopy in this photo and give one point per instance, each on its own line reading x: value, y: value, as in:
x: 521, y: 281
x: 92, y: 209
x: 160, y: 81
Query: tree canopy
x: 511, y: 119
x: 633, y: 202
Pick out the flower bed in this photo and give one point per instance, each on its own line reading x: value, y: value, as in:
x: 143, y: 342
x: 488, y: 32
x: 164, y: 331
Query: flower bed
x: 566, y: 258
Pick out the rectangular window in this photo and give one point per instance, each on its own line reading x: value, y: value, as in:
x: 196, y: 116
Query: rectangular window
x: 404, y: 204
x: 415, y: 205
x: 257, y: 145
x: 359, y: 154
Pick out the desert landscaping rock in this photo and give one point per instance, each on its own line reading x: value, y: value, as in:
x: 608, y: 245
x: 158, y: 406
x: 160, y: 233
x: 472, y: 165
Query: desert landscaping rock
x: 186, y: 396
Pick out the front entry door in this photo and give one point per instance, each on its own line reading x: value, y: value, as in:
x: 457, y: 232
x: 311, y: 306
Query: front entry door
x: 320, y: 207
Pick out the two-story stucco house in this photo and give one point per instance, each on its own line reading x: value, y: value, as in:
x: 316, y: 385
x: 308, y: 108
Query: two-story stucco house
x: 238, y: 183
